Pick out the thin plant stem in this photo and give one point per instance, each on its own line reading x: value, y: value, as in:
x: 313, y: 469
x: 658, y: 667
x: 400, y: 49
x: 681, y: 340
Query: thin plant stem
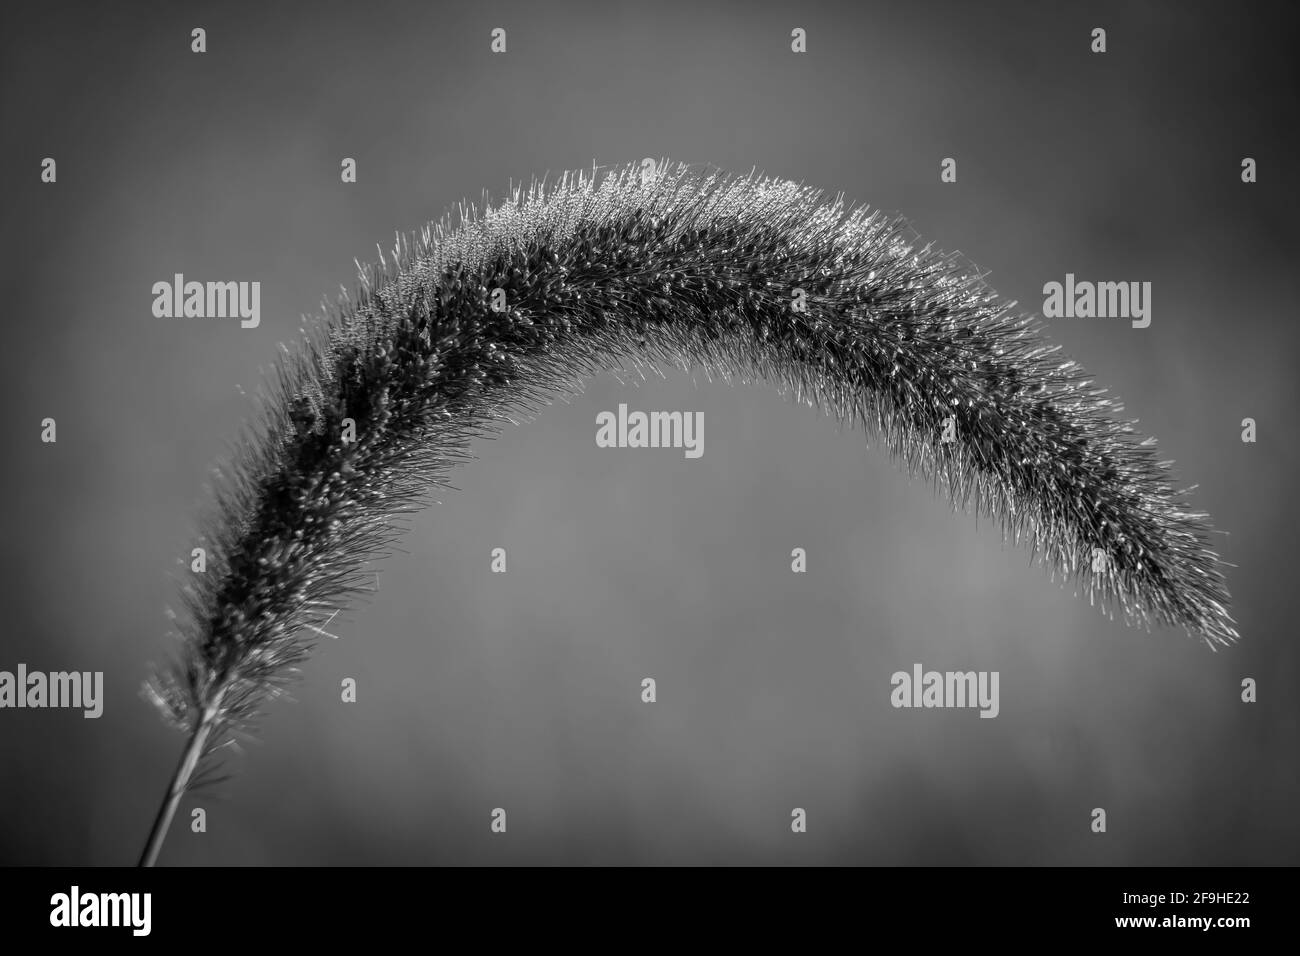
x: 179, y: 783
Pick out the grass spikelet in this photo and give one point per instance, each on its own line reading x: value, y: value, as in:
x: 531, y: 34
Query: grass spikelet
x: 681, y: 267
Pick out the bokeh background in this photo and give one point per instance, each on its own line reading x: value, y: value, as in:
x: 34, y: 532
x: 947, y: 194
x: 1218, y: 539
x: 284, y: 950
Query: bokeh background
x: 522, y: 690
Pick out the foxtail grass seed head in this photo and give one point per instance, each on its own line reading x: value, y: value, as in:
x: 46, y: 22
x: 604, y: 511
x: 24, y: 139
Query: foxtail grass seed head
x: 505, y: 305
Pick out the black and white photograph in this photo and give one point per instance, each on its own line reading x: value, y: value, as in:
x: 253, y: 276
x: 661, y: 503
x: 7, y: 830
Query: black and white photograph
x: 639, y: 436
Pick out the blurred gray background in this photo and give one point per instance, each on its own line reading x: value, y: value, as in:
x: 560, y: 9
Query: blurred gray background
x: 522, y: 690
